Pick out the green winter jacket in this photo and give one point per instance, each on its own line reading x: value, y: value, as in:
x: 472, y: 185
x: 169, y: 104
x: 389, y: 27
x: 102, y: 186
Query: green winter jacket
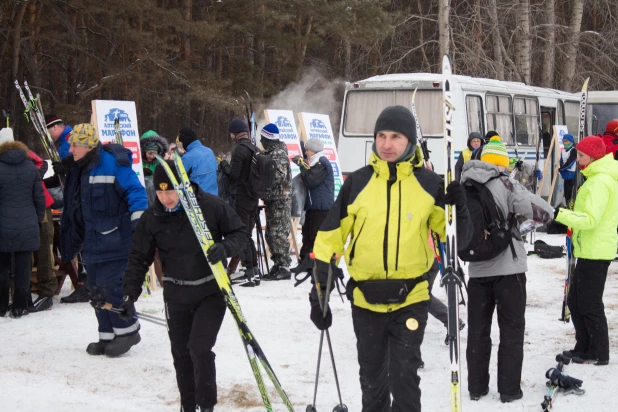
x: 594, y: 218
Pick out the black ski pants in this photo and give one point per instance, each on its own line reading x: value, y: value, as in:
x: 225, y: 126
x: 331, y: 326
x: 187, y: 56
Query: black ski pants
x: 311, y: 226
x: 247, y: 212
x: 389, y: 354
x: 508, y: 295
x: 193, y: 330
x: 585, y: 302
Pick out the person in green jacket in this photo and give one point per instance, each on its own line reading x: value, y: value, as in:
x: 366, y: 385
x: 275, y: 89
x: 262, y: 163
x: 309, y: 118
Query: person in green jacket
x: 593, y: 219
x: 151, y: 144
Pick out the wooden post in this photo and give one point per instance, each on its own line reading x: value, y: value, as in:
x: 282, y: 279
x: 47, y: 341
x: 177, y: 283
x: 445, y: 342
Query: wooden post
x: 293, y: 234
x: 553, y: 183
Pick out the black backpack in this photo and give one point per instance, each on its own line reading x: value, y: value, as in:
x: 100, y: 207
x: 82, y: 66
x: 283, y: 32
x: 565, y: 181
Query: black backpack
x: 545, y: 251
x: 261, y: 175
x: 492, y: 232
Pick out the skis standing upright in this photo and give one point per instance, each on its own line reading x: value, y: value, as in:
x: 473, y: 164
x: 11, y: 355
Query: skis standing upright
x: 450, y: 277
x: 566, y: 313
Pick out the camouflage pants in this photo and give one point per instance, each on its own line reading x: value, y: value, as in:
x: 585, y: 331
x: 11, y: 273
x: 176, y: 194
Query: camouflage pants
x: 278, y: 215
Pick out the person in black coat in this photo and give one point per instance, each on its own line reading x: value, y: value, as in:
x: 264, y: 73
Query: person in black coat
x: 194, y: 304
x: 243, y: 203
x: 319, y: 180
x: 22, y: 209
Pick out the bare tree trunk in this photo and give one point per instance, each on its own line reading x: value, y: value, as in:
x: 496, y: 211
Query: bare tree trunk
x: 303, y: 49
x: 549, y: 58
x: 522, y: 53
x: 421, y: 38
x: 348, y: 58
x: 444, y: 28
x: 185, y: 41
x: 572, y: 44
x: 496, y: 40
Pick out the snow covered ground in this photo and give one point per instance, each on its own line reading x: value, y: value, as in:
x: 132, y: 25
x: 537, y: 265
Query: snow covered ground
x: 44, y: 365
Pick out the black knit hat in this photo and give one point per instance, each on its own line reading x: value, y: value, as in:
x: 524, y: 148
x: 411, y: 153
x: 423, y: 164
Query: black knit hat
x: 52, y: 119
x: 186, y: 136
x: 489, y: 135
x: 238, y: 126
x: 160, y: 179
x: 397, y: 119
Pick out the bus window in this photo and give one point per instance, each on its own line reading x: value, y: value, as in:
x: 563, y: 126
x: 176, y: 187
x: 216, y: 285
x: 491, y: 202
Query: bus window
x: 500, y: 116
x: 559, y: 114
x: 474, y: 111
x: 571, y: 114
x: 602, y: 114
x: 526, y: 121
x: 363, y: 107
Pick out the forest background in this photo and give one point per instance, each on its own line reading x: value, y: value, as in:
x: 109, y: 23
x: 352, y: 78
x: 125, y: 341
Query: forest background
x: 187, y: 62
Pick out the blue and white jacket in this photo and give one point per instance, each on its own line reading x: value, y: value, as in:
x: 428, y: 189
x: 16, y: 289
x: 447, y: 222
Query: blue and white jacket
x: 201, y: 166
x: 103, y: 202
x: 62, y: 144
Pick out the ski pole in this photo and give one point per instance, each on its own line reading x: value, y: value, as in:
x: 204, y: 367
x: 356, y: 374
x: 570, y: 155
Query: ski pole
x: 141, y: 316
x: 323, y: 301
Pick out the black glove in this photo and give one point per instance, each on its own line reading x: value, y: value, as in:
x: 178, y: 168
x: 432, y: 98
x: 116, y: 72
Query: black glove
x: 127, y: 308
x: 321, y: 322
x: 62, y: 167
x: 296, y: 159
x: 216, y: 253
x: 456, y: 195
x: 97, y: 298
x: 223, y: 165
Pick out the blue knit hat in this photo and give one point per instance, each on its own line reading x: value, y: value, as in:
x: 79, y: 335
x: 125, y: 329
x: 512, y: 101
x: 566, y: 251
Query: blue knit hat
x: 270, y: 131
x: 568, y: 137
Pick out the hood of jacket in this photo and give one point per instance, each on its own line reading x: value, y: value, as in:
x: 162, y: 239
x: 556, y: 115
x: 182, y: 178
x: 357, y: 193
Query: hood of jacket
x: 605, y: 165
x: 161, y: 143
x: 13, y: 153
x: 479, y: 171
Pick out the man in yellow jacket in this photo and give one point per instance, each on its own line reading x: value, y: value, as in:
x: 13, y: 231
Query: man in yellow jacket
x: 388, y: 208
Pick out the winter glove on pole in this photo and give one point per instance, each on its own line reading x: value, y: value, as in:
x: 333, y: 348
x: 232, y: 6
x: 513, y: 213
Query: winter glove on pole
x: 320, y: 320
x: 216, y: 253
x: 456, y: 195
x: 97, y: 299
x: 127, y: 308
x: 538, y: 174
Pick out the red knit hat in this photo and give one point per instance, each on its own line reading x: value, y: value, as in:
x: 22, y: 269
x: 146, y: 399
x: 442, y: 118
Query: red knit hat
x: 593, y: 146
x: 612, y: 126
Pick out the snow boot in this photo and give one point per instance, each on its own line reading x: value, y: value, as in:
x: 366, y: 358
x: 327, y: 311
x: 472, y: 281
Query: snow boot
x: 571, y: 353
x: 122, y: 344
x: 270, y: 275
x: 585, y: 359
x: 477, y: 396
x: 79, y: 295
x: 283, y: 274
x: 42, y: 303
x: 251, y: 278
x: 97, y: 348
x: 510, y: 398
x: 20, y: 303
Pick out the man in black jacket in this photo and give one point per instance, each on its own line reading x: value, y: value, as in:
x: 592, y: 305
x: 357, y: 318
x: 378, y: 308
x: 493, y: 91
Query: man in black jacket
x: 194, y: 304
x: 243, y: 203
x: 319, y: 180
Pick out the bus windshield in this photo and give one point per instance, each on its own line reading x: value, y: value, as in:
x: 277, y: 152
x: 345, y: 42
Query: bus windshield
x: 364, y: 106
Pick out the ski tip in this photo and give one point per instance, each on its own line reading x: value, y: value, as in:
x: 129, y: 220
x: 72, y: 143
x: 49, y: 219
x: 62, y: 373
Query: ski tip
x: 446, y: 64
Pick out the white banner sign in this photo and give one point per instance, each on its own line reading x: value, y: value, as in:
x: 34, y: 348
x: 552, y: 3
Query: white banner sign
x: 284, y: 119
x: 318, y: 126
x: 104, y: 112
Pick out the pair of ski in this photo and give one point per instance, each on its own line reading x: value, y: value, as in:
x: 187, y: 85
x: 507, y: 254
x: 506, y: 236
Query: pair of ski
x: 254, y: 352
x: 446, y: 251
x: 570, y: 257
x: 34, y: 114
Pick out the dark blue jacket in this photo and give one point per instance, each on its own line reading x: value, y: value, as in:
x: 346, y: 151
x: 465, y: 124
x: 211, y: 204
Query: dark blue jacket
x: 103, y: 202
x: 320, y: 184
x: 201, y: 165
x: 22, y: 203
x: 63, y: 144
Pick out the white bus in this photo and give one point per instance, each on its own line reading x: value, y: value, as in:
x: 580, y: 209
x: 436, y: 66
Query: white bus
x: 519, y: 113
